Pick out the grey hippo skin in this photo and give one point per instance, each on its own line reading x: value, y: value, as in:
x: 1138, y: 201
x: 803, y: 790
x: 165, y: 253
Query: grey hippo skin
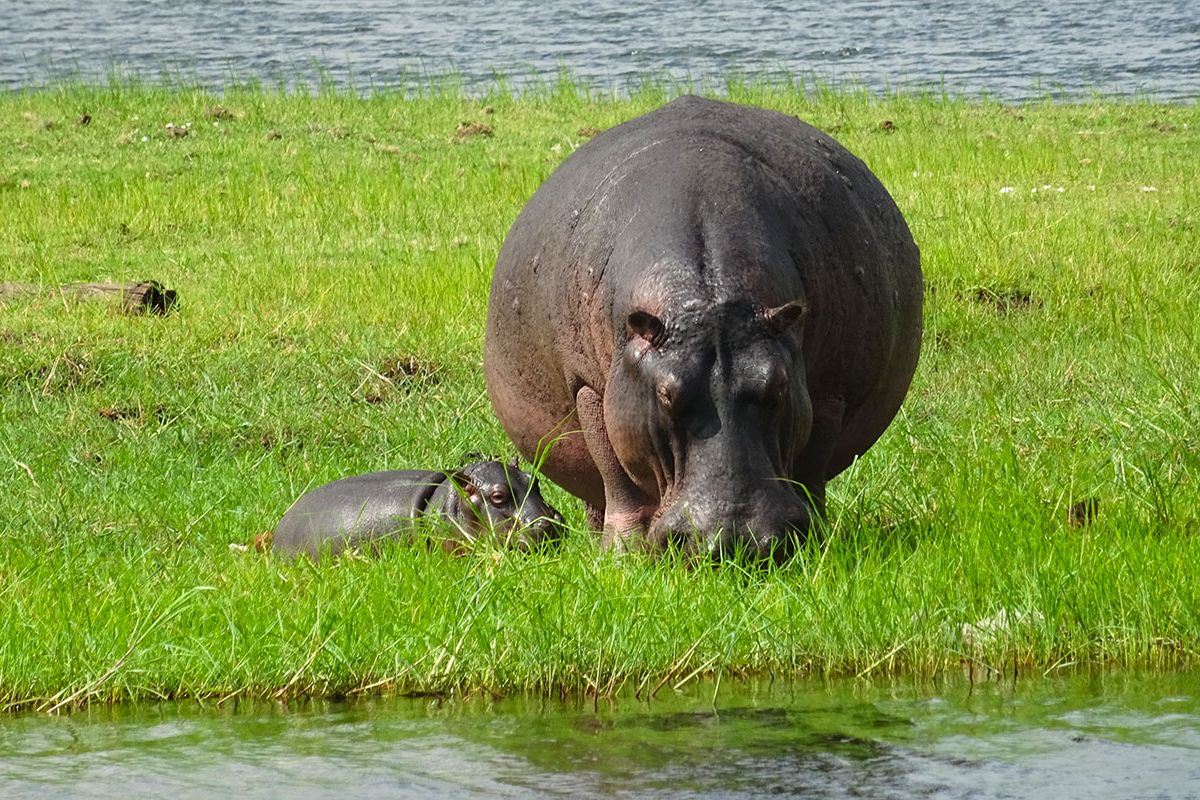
x: 483, y: 499
x: 711, y: 310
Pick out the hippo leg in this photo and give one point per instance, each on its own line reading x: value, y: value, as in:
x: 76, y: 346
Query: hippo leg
x: 626, y: 510
x: 829, y: 416
x: 595, y: 516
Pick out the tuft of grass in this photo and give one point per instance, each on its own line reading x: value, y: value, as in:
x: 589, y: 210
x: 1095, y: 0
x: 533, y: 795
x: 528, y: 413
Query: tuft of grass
x: 1034, y: 506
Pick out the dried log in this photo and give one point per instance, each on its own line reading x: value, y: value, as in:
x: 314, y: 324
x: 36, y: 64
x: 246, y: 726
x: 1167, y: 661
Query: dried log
x: 143, y: 297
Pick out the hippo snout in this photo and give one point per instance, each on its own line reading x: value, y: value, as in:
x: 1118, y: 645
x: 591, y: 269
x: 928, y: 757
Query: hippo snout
x: 535, y: 528
x: 769, y: 532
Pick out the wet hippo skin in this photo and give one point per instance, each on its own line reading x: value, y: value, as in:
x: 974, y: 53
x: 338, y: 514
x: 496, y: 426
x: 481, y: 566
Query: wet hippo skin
x: 710, y: 311
x: 486, y: 498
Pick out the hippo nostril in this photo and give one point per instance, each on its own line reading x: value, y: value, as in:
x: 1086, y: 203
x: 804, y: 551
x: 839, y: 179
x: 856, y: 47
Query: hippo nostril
x: 541, y: 531
x: 678, y: 541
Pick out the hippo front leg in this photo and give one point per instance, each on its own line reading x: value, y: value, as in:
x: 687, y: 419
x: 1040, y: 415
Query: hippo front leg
x: 829, y: 418
x: 627, y: 510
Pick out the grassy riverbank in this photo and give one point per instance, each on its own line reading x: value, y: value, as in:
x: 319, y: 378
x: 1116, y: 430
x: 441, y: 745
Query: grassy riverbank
x: 332, y: 257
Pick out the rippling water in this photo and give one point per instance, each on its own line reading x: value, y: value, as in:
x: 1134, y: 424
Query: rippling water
x: 1077, y: 737
x: 1006, y: 48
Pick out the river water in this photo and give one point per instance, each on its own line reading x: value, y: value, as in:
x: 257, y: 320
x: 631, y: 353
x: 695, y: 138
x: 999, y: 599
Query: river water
x: 1006, y: 48
x: 1082, y: 736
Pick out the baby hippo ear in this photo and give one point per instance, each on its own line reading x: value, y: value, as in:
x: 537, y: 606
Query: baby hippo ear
x: 646, y: 326
x: 465, y: 486
x: 784, y: 318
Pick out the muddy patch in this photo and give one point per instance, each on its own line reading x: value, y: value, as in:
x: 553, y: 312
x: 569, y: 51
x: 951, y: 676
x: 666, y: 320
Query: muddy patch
x: 66, y: 373
x: 396, y: 377
x: 1001, y: 300
x: 136, y: 415
x: 282, y: 440
x: 1082, y: 513
x: 471, y: 130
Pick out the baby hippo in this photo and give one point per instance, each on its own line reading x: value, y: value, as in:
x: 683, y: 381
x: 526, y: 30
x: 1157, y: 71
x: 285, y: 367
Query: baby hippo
x: 486, y: 498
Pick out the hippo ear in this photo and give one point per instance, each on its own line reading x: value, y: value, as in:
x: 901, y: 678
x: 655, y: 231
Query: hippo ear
x: 645, y: 325
x: 466, y: 487
x: 785, y: 317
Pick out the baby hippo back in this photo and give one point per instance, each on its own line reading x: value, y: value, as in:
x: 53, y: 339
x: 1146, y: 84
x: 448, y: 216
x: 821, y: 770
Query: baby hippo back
x: 358, y: 509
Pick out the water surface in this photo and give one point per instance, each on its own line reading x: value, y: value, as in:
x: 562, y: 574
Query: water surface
x: 1014, y: 50
x: 1093, y: 736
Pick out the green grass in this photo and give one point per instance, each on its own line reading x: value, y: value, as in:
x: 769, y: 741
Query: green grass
x: 318, y: 240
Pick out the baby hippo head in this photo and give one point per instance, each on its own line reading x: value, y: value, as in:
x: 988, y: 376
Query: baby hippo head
x: 504, y: 502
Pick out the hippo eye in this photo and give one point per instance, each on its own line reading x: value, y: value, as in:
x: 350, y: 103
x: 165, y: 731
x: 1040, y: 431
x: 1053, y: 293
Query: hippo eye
x: 498, y: 497
x: 774, y: 388
x: 666, y: 395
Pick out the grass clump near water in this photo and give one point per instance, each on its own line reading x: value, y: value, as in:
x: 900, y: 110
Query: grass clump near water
x: 1035, y: 506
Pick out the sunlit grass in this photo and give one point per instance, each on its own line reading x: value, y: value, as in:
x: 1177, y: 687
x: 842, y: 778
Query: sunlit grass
x: 1046, y: 462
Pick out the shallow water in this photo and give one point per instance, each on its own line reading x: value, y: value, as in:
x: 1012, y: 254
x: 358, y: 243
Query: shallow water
x: 1006, y: 48
x: 1080, y: 736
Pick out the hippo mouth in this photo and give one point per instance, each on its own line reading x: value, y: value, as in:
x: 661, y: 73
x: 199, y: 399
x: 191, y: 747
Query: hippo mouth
x: 703, y: 527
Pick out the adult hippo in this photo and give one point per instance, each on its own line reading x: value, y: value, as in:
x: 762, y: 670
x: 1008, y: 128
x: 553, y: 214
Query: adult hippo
x: 482, y: 499
x: 704, y: 314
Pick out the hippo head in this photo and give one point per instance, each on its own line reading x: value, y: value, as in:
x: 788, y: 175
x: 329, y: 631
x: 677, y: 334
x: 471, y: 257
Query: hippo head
x: 506, y: 503
x: 706, y: 407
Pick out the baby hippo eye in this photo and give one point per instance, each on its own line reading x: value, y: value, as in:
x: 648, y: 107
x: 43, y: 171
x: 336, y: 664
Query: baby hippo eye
x: 498, y: 497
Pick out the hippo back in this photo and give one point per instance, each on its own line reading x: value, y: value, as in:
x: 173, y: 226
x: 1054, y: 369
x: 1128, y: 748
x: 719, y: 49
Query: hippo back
x: 351, y: 511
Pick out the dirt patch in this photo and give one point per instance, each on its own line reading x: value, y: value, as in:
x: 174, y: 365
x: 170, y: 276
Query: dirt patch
x: 1002, y: 300
x: 66, y: 373
x: 279, y: 440
x: 1083, y: 512
x: 940, y: 341
x: 397, y: 376
x: 470, y: 130
x: 135, y: 415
